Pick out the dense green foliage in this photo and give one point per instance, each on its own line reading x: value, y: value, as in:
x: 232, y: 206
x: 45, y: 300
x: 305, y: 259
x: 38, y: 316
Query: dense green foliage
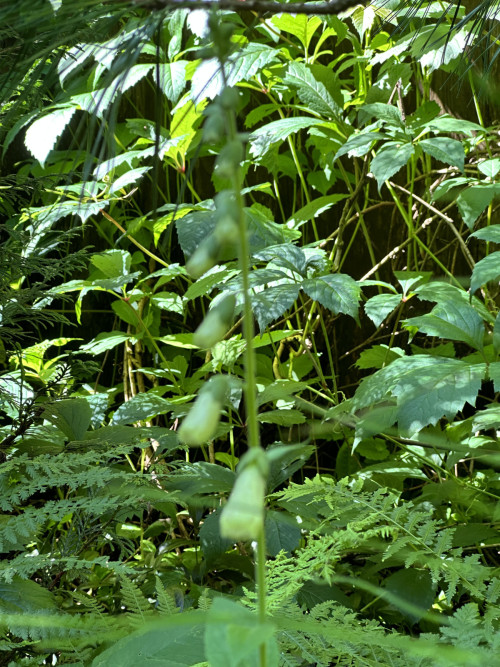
x: 172, y: 179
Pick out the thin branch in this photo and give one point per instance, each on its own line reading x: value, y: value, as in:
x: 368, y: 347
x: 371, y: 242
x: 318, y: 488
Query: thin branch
x: 258, y: 6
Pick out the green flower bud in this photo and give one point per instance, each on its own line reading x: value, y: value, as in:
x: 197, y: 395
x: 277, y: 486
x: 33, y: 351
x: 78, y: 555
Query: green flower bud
x: 204, y: 257
x: 201, y: 422
x: 243, y: 515
x: 229, y: 159
x: 214, y: 128
x: 229, y: 98
x: 216, y: 323
x: 227, y: 230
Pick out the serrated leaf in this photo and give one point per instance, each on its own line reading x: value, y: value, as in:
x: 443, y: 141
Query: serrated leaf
x: 380, y: 306
x: 389, y: 160
x: 489, y: 168
x: 262, y: 139
x: 272, y: 303
x: 426, y: 389
x: 313, y: 209
x: 491, y: 234
x: 378, y: 356
x: 169, y: 301
x: 42, y: 135
x: 359, y: 144
x: 128, y: 178
x: 282, y: 533
x: 113, y: 263
x: 311, y: 92
x: 233, y: 636
x: 178, y: 646
x: 485, y: 270
x: 337, y: 291
x: 212, y: 544
x: 474, y: 200
x: 299, y: 25
x: 280, y: 389
x: 141, y: 407
x: 71, y: 416
x: 285, y: 255
x: 105, y: 341
x: 173, y: 79
x: 454, y: 320
x: 209, y: 79
x: 386, y: 112
x: 282, y: 417
x: 449, y: 151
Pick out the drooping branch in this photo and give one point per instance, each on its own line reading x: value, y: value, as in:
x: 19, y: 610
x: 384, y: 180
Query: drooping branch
x: 258, y: 6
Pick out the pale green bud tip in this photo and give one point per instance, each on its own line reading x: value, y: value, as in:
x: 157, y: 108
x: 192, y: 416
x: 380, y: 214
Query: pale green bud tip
x: 216, y: 323
x: 203, y: 258
x: 200, y: 424
x: 243, y: 515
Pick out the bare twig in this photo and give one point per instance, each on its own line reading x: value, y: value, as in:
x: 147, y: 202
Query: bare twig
x: 258, y: 6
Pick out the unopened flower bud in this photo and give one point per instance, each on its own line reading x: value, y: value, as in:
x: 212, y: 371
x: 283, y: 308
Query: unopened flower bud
x: 243, y: 515
x: 204, y: 257
x: 216, y: 323
x: 201, y: 422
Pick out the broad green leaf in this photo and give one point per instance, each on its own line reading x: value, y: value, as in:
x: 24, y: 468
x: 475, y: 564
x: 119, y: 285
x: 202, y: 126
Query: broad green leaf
x: 298, y: 25
x: 233, y: 635
x: 285, y: 460
x: 42, y: 135
x: 489, y: 168
x: 282, y: 417
x: 380, y: 306
x: 311, y: 92
x: 183, y: 126
x: 263, y: 231
x: 113, y: 263
x: 71, y: 416
x: 359, y: 144
x: 200, y: 478
x: 209, y: 80
x: 496, y: 334
x: 485, y: 270
x: 447, y: 123
x: 282, y: 533
x: 313, y: 209
x: 474, y: 200
x: 449, y: 151
x: 337, y: 291
x: 491, y: 234
x: 165, y: 645
x: 270, y: 337
x: 284, y: 255
x: 262, y: 139
x: 386, y: 112
x: 105, y: 341
x: 426, y: 389
x: 273, y: 302
x: 455, y: 320
x: 21, y: 595
x: 212, y: 544
x: 414, y: 587
x: 378, y: 356
x: 168, y: 301
x: 389, y: 160
x: 280, y: 389
x: 128, y: 178
x: 141, y: 407
x: 203, y: 286
x: 173, y: 79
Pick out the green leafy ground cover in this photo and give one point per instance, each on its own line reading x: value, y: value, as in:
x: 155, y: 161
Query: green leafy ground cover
x: 249, y: 337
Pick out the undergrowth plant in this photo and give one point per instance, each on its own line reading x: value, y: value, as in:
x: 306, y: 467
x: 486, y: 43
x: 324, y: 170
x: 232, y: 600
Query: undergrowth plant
x: 254, y: 421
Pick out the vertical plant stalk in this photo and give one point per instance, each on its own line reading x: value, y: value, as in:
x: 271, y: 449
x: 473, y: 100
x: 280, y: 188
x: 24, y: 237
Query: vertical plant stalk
x: 250, y: 385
